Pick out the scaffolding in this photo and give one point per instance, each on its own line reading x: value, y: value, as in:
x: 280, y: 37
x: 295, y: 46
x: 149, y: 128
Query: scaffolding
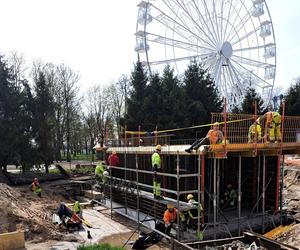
x: 129, y: 190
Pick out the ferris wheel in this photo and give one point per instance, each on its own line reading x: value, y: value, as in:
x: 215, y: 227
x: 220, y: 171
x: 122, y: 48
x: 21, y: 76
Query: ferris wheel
x: 233, y: 39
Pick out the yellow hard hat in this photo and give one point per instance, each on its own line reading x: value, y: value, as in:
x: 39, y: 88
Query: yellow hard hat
x: 189, y: 197
x: 170, y: 205
x: 158, y: 147
x: 216, y: 124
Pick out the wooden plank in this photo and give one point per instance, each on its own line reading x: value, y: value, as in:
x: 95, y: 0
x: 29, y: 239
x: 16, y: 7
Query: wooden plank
x: 12, y: 241
x: 93, y: 194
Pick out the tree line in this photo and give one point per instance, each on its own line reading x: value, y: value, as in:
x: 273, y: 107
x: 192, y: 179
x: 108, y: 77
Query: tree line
x: 45, y: 117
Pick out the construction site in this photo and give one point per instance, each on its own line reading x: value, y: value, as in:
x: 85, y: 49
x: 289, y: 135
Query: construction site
x: 149, y: 124
x: 120, y: 209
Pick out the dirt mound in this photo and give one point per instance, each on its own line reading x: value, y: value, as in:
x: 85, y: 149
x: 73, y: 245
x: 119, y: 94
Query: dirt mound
x: 20, y: 209
x: 291, y: 191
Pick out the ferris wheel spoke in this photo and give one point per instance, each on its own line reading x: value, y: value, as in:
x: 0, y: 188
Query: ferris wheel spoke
x: 234, y: 72
x: 245, y: 36
x: 228, y: 84
x: 186, y: 58
x: 204, y: 22
x: 216, y: 20
x: 210, y: 62
x: 189, y: 16
x: 240, y: 26
x: 221, y: 28
x: 217, y: 70
x: 252, y: 62
x: 253, y: 48
x: 150, y: 37
x: 210, y: 19
x: 226, y: 25
x: 187, y: 11
x: 259, y: 79
x: 164, y: 18
x: 226, y: 35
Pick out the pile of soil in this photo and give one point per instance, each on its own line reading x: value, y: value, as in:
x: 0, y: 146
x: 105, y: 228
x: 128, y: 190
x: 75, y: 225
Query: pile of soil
x: 20, y: 209
x: 291, y: 192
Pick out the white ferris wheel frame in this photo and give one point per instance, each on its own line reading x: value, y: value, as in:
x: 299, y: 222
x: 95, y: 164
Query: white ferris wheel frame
x: 232, y: 73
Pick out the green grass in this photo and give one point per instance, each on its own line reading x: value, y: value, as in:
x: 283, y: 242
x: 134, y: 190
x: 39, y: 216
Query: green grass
x: 54, y: 171
x: 79, y: 157
x: 83, y: 170
x: 104, y: 246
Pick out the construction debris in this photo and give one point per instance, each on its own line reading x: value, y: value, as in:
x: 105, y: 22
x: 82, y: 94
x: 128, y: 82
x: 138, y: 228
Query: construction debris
x: 237, y: 245
x: 279, y: 231
x: 291, y: 237
x: 21, y: 210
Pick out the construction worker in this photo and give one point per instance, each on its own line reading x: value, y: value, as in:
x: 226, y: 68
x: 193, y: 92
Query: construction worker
x: 214, y: 136
x: 113, y: 161
x: 230, y: 196
x: 35, y: 187
x: 156, y: 166
x: 272, y: 126
x: 170, y: 216
x: 191, y: 213
x: 254, y: 134
x: 105, y: 176
x: 77, y: 209
x: 99, y: 170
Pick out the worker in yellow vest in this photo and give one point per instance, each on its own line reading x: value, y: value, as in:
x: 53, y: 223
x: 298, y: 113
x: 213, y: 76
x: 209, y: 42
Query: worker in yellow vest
x: 272, y: 126
x: 254, y: 134
x: 99, y: 170
x: 77, y: 209
x: 156, y: 167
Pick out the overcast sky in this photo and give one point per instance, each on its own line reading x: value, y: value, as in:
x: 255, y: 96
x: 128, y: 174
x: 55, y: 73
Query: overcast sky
x: 96, y: 37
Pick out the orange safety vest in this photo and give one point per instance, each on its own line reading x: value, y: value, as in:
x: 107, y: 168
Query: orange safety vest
x: 170, y: 217
x: 214, y: 136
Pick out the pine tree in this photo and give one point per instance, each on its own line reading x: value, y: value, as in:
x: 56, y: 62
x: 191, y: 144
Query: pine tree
x: 153, y: 103
x: 292, y: 99
x: 248, y: 104
x: 15, y: 119
x: 135, y: 102
x: 173, y: 101
x: 202, y: 97
x: 44, y: 120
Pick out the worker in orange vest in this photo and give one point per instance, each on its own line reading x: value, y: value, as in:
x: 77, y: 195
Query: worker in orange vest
x: 36, y: 188
x: 170, y: 216
x: 214, y: 136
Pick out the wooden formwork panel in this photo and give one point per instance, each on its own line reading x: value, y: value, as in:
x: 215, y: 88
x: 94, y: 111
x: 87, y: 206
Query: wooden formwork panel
x: 12, y: 241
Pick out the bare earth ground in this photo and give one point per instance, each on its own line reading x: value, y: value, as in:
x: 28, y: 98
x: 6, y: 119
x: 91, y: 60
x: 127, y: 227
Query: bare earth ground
x: 20, y: 209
